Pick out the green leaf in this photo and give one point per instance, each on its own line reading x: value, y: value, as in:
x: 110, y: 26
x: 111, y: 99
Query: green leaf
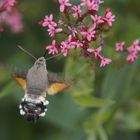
x: 91, y: 137
x: 129, y: 120
x: 91, y: 101
x: 102, y: 133
x: 7, y: 89
x: 117, y: 82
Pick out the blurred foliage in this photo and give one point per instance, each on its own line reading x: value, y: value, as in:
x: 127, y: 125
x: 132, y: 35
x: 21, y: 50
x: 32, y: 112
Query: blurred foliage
x: 101, y: 104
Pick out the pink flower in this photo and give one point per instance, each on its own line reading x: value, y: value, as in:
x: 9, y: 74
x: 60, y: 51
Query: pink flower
x: 48, y: 21
x: 76, y: 10
x: 73, y: 30
x: 90, y: 34
x: 63, y: 4
x: 70, y: 42
x: 86, y: 2
x: 104, y: 61
x: 133, y: 51
x: 66, y: 45
x: 14, y: 20
x: 11, y: 2
x: 131, y: 57
x: 78, y: 44
x: 95, y: 51
x: 52, y: 30
x: 73, y: 42
x: 120, y: 46
x: 10, y: 16
x: 91, y: 4
x: 97, y: 19
x: 109, y: 18
x: 93, y: 7
x: 64, y: 48
x: 8, y: 4
x: 52, y: 48
x: 135, y: 47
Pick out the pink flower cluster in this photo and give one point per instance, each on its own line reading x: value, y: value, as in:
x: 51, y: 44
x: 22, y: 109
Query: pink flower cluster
x: 10, y: 16
x: 132, y: 50
x: 81, y: 29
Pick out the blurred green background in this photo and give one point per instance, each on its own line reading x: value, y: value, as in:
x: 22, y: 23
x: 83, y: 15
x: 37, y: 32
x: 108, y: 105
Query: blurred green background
x: 102, y: 104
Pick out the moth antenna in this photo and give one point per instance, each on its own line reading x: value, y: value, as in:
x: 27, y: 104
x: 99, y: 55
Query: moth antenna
x: 45, y: 53
x: 53, y: 56
x: 26, y: 52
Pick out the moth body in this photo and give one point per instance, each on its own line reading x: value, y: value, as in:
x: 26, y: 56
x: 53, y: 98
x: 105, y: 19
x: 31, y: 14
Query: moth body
x: 37, y: 83
x: 34, y: 103
x: 37, y: 79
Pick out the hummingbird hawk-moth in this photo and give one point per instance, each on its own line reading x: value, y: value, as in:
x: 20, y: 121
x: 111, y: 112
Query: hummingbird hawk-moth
x: 37, y: 82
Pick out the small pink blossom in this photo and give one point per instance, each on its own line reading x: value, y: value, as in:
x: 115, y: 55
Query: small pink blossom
x: 104, y: 61
x: 131, y: 57
x: 63, y: 4
x: 109, y: 17
x: 8, y: 4
x: 120, y: 46
x: 76, y: 10
x: 14, y: 20
x: 70, y: 42
x: 10, y: 16
x: 91, y: 4
x: 93, y: 7
x: 52, y: 48
x: 90, y: 34
x: 133, y: 51
x: 78, y: 44
x: 86, y: 2
x: 48, y: 21
x: 11, y: 2
x: 95, y: 51
x: 135, y: 47
x: 52, y: 30
x: 73, y: 30
x: 97, y: 19
x: 66, y: 46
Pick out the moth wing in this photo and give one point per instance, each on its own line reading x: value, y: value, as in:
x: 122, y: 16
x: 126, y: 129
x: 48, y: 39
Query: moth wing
x: 56, y: 87
x: 21, y: 82
x: 56, y: 83
x: 20, y: 77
